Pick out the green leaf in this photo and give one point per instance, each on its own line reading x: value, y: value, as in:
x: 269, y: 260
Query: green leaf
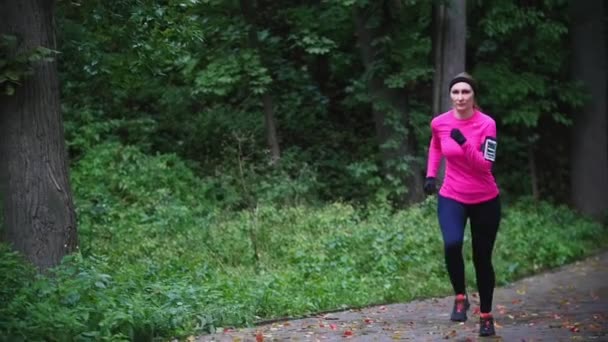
x: 12, y: 75
x: 9, y: 89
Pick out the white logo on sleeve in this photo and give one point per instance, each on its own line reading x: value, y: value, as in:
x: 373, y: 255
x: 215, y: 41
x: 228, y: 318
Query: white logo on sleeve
x: 489, y: 149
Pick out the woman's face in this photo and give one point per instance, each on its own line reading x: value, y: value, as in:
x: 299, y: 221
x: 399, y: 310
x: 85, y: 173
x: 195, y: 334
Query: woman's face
x: 462, y: 96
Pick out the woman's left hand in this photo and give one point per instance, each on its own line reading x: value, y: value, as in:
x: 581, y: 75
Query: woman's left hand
x: 456, y: 134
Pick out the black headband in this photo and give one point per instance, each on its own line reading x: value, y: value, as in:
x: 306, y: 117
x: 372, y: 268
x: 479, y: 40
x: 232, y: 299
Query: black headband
x: 465, y: 80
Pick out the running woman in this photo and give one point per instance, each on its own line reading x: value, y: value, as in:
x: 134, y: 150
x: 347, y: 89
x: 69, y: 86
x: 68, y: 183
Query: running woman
x: 466, y: 137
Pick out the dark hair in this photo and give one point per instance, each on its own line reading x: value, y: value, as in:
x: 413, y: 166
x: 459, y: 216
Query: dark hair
x: 466, y: 78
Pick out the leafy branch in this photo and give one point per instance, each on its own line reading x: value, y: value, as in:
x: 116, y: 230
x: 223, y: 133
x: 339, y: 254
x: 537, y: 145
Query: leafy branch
x: 15, y: 67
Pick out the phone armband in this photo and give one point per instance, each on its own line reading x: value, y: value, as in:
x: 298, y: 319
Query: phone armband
x: 489, y: 149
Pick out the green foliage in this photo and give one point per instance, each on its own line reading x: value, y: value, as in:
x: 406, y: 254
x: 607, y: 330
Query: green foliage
x: 16, y: 64
x: 224, y: 76
x: 164, y: 65
x: 160, y: 258
x: 185, y: 77
x: 521, y: 54
x: 185, y: 223
x: 15, y: 269
x: 558, y: 232
x: 121, y: 184
x: 529, y: 80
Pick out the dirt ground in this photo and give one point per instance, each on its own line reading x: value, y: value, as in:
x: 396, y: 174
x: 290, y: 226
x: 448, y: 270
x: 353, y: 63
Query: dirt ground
x: 567, y: 304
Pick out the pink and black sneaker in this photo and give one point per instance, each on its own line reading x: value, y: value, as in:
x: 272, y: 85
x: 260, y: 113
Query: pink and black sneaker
x: 461, y: 305
x: 486, y: 325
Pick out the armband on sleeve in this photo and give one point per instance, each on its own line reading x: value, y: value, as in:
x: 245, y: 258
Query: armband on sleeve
x: 489, y: 149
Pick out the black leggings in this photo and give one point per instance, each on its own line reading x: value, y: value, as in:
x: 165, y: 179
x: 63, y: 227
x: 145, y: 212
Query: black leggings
x: 485, y: 219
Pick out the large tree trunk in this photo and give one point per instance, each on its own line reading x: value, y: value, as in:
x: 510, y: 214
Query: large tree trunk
x: 589, y: 169
x: 39, y: 218
x: 449, y: 51
x: 389, y: 107
x: 248, y: 8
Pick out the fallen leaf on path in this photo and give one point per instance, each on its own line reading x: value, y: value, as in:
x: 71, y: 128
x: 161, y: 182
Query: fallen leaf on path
x: 259, y: 337
x: 348, y: 333
x: 450, y: 335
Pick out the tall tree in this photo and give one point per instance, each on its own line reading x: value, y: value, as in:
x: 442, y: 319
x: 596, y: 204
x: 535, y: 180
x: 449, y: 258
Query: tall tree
x: 249, y: 12
x: 449, y: 51
x: 38, y: 211
x: 589, y: 159
x: 389, y: 105
x: 449, y: 43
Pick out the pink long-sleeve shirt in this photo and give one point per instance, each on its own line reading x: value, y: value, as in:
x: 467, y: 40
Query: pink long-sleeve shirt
x: 468, y: 175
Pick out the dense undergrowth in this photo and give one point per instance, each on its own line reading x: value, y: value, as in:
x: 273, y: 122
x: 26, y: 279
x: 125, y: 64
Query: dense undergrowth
x: 161, y: 257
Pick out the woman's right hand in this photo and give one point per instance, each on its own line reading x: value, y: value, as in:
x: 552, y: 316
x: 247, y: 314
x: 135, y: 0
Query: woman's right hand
x: 430, y: 187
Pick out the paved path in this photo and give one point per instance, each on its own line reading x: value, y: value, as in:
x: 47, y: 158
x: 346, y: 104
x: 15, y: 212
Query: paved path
x: 568, y: 304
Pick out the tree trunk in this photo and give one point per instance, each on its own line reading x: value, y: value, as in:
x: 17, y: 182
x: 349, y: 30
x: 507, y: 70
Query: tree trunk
x: 38, y: 211
x: 248, y: 8
x: 449, y: 51
x: 589, y: 168
x: 533, y: 173
x: 271, y: 130
x: 389, y: 106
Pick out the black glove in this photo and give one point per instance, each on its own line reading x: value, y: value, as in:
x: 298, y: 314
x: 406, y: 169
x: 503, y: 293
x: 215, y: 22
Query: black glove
x: 429, y: 186
x: 456, y: 134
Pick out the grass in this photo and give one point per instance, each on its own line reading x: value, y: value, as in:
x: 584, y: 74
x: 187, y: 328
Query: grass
x: 159, y: 260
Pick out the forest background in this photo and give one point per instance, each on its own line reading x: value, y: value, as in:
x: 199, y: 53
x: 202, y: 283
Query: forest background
x: 236, y: 161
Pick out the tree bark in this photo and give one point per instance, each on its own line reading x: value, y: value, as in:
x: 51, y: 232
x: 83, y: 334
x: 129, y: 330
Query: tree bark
x: 449, y: 51
x: 248, y: 9
x: 386, y: 104
x: 38, y: 210
x: 589, y: 159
